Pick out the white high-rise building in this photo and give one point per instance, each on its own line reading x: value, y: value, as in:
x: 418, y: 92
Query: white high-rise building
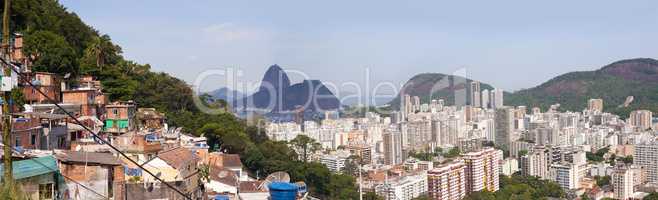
x: 504, y: 126
x: 509, y: 166
x: 646, y: 156
x: 565, y: 174
x: 546, y: 136
x: 641, y: 119
x: 419, y: 132
x: 447, y: 181
x: 535, y: 164
x: 490, y: 130
x: 482, y: 169
x: 517, y: 146
x: 475, y: 94
x: 404, y: 188
x: 406, y: 106
x: 392, y: 147
x: 416, y: 106
x: 485, y: 99
x: 335, y: 162
x: 496, y: 98
x: 452, y: 131
x: 436, y: 131
x: 622, y: 183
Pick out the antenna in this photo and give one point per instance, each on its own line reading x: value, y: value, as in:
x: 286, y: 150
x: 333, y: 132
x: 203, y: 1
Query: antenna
x: 279, y: 176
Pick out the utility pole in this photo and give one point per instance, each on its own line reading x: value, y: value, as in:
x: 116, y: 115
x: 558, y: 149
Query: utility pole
x: 6, y: 116
x: 360, y: 182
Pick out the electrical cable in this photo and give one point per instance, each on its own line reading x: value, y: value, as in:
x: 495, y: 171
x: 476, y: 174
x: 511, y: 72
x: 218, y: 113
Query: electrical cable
x: 73, y: 180
x: 13, y: 68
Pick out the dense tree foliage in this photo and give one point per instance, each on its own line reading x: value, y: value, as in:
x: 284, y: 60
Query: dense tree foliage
x: 481, y: 195
x: 627, y: 160
x: 651, y: 196
x: 422, y: 197
x: 50, y: 52
x: 454, y: 152
x: 353, y: 164
x: 59, y: 42
x: 602, y: 180
x: 428, y: 156
x: 424, y: 156
x: 597, y: 156
x: 527, y: 187
x: 305, y: 146
x: 522, y: 153
x: 372, y: 196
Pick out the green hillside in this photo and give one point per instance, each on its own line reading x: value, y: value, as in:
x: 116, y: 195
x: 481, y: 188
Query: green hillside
x: 612, y: 83
x: 61, y: 43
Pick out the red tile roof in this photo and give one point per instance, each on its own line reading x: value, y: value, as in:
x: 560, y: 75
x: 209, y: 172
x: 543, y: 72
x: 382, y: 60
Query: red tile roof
x: 224, y: 160
x: 177, y: 157
x: 222, y: 175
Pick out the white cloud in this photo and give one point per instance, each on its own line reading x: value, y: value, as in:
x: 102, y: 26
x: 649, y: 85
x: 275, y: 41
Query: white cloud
x: 229, y: 32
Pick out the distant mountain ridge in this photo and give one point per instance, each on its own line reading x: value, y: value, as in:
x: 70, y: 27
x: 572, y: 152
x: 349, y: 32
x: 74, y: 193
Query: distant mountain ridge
x: 612, y: 83
x: 226, y: 94
x: 276, y: 94
x: 437, y: 86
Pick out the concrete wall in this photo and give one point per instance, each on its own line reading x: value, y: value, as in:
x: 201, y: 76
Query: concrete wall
x: 98, y: 178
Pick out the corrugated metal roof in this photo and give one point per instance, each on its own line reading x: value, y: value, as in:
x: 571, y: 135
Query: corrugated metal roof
x: 33, y: 167
x: 87, y: 157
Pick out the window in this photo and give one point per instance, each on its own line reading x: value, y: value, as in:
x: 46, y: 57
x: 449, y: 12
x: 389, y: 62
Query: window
x: 115, y: 112
x: 33, y: 139
x: 18, y: 141
x: 46, y: 191
x: 61, y: 142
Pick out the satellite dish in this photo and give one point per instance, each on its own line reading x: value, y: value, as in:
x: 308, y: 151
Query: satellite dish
x: 279, y: 176
x: 223, y: 174
x: 67, y: 75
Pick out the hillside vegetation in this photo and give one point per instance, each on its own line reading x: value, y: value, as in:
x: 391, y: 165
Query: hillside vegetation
x: 63, y: 44
x: 612, y: 83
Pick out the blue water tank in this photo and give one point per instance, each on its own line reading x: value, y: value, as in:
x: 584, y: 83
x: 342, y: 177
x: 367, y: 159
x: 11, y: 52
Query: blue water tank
x: 221, y: 197
x: 283, y: 191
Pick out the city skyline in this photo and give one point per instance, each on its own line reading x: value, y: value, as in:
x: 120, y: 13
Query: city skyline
x: 87, y: 119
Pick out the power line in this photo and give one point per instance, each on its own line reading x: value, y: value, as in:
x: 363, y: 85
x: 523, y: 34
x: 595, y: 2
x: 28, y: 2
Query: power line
x: 13, y: 67
x: 73, y: 180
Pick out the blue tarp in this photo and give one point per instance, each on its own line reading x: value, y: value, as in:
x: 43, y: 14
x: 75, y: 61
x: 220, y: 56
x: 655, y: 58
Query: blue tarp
x: 33, y: 167
x: 150, y: 137
x: 132, y: 172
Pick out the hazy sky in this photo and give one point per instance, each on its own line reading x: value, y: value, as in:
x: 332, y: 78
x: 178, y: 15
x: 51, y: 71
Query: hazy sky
x: 509, y: 44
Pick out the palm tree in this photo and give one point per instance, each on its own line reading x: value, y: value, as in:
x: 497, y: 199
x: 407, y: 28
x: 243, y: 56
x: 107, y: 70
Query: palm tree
x: 306, y: 144
x: 101, y: 48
